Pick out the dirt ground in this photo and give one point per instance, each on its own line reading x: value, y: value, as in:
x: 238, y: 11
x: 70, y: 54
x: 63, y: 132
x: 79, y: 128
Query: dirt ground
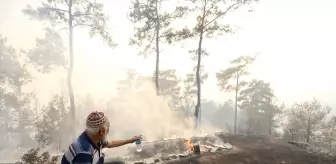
x: 261, y: 150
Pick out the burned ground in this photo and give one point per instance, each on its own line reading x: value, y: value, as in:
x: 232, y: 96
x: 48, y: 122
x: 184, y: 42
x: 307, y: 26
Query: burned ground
x: 246, y: 150
x: 261, y: 150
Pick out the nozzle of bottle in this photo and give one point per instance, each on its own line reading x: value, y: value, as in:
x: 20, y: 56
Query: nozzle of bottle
x: 138, y: 145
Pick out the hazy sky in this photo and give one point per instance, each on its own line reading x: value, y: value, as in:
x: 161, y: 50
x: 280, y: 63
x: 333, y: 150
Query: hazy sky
x: 294, y: 39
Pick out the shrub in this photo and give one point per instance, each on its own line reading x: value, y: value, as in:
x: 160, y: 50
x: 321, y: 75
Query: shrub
x: 33, y: 156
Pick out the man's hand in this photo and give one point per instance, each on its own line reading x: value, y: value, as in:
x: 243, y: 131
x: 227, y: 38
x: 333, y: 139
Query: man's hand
x: 135, y: 138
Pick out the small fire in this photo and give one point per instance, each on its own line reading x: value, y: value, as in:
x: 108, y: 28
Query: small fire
x: 189, y: 146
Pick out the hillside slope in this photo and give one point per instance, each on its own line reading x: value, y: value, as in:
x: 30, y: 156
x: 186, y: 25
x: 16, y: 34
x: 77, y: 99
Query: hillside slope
x: 262, y: 150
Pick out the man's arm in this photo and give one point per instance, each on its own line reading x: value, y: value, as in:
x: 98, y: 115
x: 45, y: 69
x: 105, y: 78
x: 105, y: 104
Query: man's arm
x: 117, y: 143
x: 83, y: 158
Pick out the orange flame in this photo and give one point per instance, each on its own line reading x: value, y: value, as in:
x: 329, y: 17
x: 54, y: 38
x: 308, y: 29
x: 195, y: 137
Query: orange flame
x: 189, y: 146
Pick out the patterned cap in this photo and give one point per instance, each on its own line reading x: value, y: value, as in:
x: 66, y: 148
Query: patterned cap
x: 95, y: 119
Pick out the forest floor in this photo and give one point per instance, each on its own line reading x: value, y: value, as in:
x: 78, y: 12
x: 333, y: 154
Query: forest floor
x: 261, y: 150
x: 257, y: 150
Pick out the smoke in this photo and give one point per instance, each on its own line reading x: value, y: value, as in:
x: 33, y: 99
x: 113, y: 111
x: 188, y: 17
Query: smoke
x: 135, y: 110
x: 139, y: 111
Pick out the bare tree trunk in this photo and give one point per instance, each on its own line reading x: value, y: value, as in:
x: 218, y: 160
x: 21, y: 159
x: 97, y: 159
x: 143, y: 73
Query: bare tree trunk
x: 71, y: 64
x: 293, y: 136
x: 198, y: 78
x: 331, y: 140
x: 157, y: 29
x: 59, y: 138
x: 308, y: 131
x: 270, y: 124
x: 236, y: 106
x: 37, y: 106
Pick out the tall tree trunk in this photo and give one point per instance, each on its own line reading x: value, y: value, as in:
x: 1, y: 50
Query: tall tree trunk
x: 62, y: 120
x: 37, y: 106
x: 308, y: 131
x: 270, y: 124
x: 236, y: 106
x: 71, y: 64
x: 331, y: 139
x: 198, y: 78
x: 293, y: 135
x: 157, y: 29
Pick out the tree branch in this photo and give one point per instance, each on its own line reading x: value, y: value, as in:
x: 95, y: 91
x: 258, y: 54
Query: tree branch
x: 149, y: 44
x: 57, y: 9
x: 170, y: 17
x: 82, y: 24
x: 85, y: 14
x: 66, y: 2
x: 88, y: 2
x: 64, y: 28
x: 163, y: 36
x: 221, y: 14
x: 212, y: 6
x: 65, y: 67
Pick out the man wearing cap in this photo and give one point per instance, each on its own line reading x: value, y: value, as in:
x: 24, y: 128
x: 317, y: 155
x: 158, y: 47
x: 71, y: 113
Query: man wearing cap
x: 86, y: 149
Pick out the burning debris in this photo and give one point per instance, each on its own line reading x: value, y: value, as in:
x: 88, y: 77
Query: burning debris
x: 190, y: 147
x: 214, y: 145
x: 179, y: 149
x: 303, y: 145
